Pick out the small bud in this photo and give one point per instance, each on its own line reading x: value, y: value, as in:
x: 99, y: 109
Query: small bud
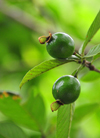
x: 43, y: 39
x: 55, y: 105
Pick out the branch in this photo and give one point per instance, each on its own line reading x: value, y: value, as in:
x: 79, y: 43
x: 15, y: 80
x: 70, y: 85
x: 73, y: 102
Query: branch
x: 90, y: 66
x: 85, y: 63
x: 19, y: 15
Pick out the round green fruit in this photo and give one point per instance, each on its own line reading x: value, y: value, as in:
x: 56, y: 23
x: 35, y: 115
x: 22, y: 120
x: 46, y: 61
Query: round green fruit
x: 66, y: 89
x: 61, y: 45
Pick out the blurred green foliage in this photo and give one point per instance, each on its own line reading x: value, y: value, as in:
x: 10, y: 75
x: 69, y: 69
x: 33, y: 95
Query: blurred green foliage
x: 21, y: 23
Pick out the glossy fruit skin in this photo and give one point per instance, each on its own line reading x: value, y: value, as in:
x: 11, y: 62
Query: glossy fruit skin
x: 60, y: 46
x: 66, y: 89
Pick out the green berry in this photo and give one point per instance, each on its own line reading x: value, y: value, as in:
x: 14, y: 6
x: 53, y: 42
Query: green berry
x: 61, y: 45
x: 66, y: 89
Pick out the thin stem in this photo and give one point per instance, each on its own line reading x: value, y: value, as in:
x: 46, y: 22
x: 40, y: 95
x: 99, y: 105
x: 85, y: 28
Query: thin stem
x: 96, y: 70
x: 90, y: 66
x: 77, y: 55
x: 75, y: 73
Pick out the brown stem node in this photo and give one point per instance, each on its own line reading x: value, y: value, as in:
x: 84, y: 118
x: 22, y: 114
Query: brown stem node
x: 90, y: 66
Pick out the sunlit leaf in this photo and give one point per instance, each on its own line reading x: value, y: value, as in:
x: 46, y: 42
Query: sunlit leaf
x: 64, y: 119
x: 93, y: 51
x: 14, y: 111
x: 91, y: 32
x: 44, y: 67
x: 10, y: 130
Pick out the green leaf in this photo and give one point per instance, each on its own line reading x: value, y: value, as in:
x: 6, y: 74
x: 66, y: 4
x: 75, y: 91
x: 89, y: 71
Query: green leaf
x: 91, y: 32
x: 44, y: 67
x: 36, y: 108
x: 10, y: 130
x: 15, y: 112
x: 95, y: 57
x: 64, y: 119
x: 93, y: 51
x: 84, y: 110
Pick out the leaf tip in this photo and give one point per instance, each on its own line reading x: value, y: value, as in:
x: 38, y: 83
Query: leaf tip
x: 20, y: 86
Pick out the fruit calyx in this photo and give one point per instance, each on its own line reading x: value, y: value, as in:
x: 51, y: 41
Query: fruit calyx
x: 43, y: 39
x: 55, y: 105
